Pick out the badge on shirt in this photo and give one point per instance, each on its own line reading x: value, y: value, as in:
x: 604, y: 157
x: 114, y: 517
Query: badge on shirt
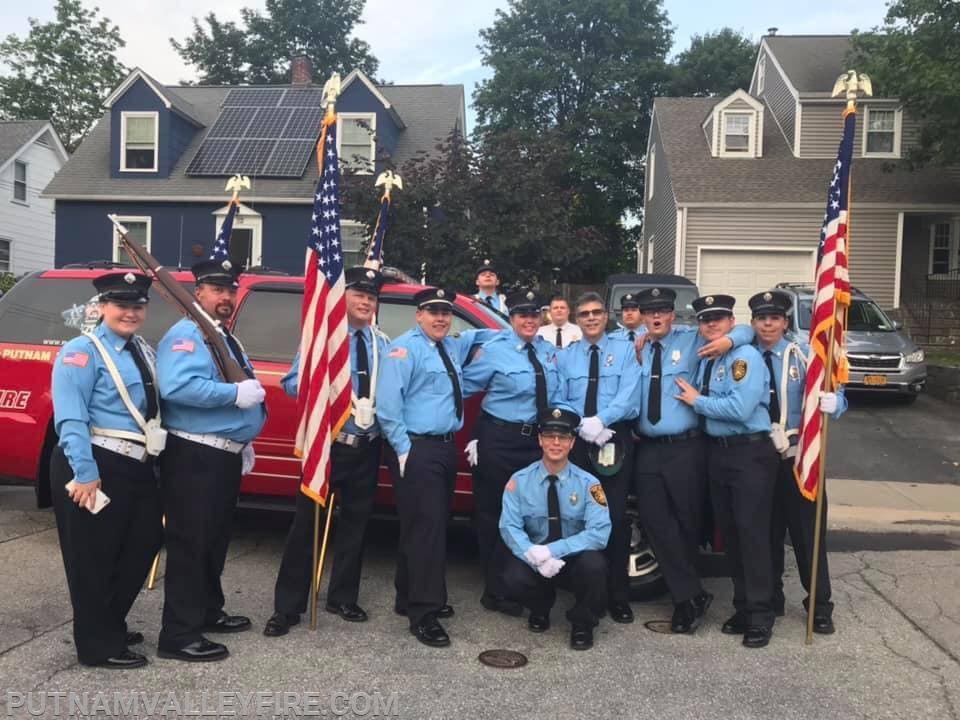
x: 596, y: 491
x: 398, y: 352
x: 609, y: 361
x: 75, y: 358
x: 182, y: 346
x: 573, y: 498
x: 721, y: 372
x: 794, y: 372
x: 739, y: 370
x: 675, y: 357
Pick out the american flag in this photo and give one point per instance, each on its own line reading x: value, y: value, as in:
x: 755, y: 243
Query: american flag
x: 323, y: 403
x: 829, y: 313
x: 221, y: 246
x: 375, y: 256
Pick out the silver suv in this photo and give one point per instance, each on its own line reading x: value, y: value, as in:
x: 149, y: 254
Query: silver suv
x: 882, y: 357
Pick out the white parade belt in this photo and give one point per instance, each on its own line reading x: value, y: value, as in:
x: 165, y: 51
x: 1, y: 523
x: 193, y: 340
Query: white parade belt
x: 214, y: 441
x: 120, y: 446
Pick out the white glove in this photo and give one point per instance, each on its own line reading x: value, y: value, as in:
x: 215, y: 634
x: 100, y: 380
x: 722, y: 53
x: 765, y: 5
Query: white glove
x: 828, y: 402
x: 249, y: 393
x: 471, y: 453
x: 537, y: 555
x: 551, y: 567
x: 249, y: 459
x: 590, y: 427
x: 402, y: 461
x: 604, y: 437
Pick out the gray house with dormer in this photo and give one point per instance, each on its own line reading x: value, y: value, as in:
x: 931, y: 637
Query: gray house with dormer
x: 161, y: 155
x: 736, y: 186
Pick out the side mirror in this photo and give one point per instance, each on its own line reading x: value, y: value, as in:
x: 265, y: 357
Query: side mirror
x: 897, y: 325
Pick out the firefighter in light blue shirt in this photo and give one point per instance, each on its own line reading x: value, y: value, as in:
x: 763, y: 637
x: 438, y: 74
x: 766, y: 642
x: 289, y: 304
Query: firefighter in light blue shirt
x: 629, y: 327
x: 787, y: 361
x: 556, y: 523
x: 741, y: 466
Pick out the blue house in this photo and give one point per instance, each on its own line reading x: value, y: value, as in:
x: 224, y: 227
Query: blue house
x: 160, y: 157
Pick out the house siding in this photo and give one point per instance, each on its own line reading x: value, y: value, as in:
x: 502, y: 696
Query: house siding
x: 821, y: 125
x: 873, y: 241
x: 780, y: 101
x: 29, y: 227
x: 140, y: 98
x: 660, y: 211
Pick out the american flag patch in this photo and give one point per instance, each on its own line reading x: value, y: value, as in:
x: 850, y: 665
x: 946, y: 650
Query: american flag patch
x: 182, y: 346
x: 79, y: 359
x: 398, y: 352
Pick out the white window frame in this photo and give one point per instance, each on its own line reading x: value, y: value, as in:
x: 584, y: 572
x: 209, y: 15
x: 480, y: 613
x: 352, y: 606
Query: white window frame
x: 26, y: 182
x: 953, y: 246
x: 343, y: 249
x: 124, y: 116
x: 651, y: 248
x: 124, y: 220
x: 897, y: 131
x: 761, y: 73
x: 9, y: 243
x: 244, y: 219
x: 371, y: 120
x: 652, y: 172
x: 751, y: 149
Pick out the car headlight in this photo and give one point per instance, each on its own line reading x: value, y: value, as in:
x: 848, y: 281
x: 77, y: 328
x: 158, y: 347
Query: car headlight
x: 917, y: 356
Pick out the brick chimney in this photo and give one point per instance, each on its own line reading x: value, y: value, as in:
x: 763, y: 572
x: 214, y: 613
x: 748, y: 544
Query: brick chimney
x: 300, y: 72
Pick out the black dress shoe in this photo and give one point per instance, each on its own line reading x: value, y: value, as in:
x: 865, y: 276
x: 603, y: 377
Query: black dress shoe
x: 228, y: 624
x: 127, y: 660
x: 279, y: 624
x: 498, y: 603
x: 621, y: 613
x: 538, y: 623
x: 351, y: 612
x: 823, y: 625
x: 581, y: 637
x: 200, y: 651
x: 736, y: 624
x: 431, y: 633
x: 684, y: 618
x: 445, y: 611
x: 134, y: 638
x: 757, y: 636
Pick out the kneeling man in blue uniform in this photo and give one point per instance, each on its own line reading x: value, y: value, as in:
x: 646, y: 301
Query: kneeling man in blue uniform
x: 556, y: 522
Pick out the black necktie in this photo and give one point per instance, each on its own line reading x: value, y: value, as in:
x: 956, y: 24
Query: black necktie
x: 705, y: 388
x: 363, y: 367
x: 149, y: 388
x: 554, y: 531
x: 237, y: 352
x: 539, y: 378
x: 774, y: 398
x: 632, y: 335
x: 490, y: 300
x: 653, y: 404
x: 559, y: 338
x: 454, y: 380
x: 593, y: 382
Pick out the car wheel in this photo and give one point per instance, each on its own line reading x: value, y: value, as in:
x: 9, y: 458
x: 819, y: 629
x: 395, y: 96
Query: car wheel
x: 643, y: 571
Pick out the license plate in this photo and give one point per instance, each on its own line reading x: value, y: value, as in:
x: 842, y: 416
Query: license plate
x: 875, y: 379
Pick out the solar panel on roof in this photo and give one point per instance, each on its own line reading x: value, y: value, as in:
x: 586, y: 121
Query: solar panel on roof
x: 268, y: 123
x: 289, y: 158
x: 212, y: 157
x: 231, y: 122
x: 256, y: 97
x: 302, y: 97
x: 250, y: 157
x: 304, y: 123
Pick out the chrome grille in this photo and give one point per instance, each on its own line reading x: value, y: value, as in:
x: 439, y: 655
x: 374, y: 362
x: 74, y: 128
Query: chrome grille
x: 874, y: 362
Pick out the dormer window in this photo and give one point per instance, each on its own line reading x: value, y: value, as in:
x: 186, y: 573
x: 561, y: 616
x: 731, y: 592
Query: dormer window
x: 735, y: 127
x: 881, y: 132
x: 357, y: 142
x: 736, y: 132
x: 139, y: 141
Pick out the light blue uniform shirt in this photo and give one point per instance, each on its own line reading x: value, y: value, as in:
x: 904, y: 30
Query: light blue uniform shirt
x: 584, y: 522
x: 618, y: 393
x: 796, y: 377
x: 622, y: 333
x: 503, y: 369
x: 85, y: 396
x: 290, y: 381
x: 195, y: 397
x: 736, y: 407
x: 414, y: 392
x: 678, y: 360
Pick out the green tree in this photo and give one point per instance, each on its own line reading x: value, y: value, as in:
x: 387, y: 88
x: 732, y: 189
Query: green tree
x: 260, y: 50
x: 915, y: 57
x: 586, y: 70
x: 714, y: 64
x: 62, y: 70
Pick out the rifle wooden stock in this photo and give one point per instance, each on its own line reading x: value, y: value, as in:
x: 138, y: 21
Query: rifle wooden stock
x: 174, y: 293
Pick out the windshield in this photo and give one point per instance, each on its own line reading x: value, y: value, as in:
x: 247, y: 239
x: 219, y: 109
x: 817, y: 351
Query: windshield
x: 863, y: 316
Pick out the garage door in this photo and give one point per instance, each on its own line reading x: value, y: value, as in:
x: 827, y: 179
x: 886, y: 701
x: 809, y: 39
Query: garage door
x: 743, y: 273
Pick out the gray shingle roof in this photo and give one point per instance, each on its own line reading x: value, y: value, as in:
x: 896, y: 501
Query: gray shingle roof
x: 14, y: 133
x: 430, y: 112
x: 778, y: 176
x: 811, y: 62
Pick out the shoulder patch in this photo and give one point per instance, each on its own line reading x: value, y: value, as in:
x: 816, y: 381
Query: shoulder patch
x: 739, y: 369
x: 596, y: 491
x: 398, y: 352
x: 511, y: 485
x: 183, y: 345
x: 75, y: 358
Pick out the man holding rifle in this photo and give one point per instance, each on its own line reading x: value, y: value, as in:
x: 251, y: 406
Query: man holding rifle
x: 211, y: 423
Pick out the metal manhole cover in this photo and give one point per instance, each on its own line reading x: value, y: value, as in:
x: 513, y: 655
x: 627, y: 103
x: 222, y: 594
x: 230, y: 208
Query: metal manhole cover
x: 502, y: 658
x: 659, y: 626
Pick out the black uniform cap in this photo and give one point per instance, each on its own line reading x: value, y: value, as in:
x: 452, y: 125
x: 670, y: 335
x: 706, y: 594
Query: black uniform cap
x: 656, y: 298
x: 708, y: 307
x: 523, y: 301
x: 217, y: 272
x: 128, y: 287
x: 771, y: 302
x: 559, y: 420
x: 364, y: 279
x: 487, y: 266
x: 434, y: 297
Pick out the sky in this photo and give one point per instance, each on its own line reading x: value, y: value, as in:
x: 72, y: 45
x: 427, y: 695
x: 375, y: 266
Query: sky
x: 422, y: 41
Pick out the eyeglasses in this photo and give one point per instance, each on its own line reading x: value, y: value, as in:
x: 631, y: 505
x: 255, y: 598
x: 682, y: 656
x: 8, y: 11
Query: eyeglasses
x: 555, y: 437
x: 597, y: 312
